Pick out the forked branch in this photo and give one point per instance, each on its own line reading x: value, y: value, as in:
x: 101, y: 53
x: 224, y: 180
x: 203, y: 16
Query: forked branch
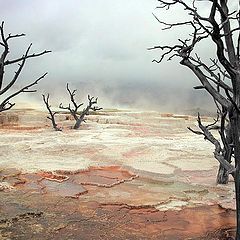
x: 218, y: 152
x: 75, y: 110
x: 6, y: 104
x: 6, y: 86
x: 91, y: 102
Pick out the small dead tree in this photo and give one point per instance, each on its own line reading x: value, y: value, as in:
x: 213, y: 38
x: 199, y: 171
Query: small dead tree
x: 90, y: 107
x: 79, y: 116
x: 73, y: 111
x: 51, y: 113
x: 5, y: 86
x: 218, y: 26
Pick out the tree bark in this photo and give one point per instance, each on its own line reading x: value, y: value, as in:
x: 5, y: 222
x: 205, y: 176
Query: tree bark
x: 78, y: 122
x: 237, y: 191
x: 81, y: 118
x: 221, y: 26
x: 235, y: 123
x: 222, y: 176
x: 235, y: 127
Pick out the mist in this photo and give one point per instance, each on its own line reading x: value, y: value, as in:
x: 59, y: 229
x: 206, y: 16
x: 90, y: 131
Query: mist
x: 100, y: 48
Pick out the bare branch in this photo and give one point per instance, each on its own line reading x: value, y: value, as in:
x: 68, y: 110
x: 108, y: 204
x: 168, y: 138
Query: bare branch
x: 215, y: 63
x: 8, y: 62
x: 209, y: 126
x: 17, y: 72
x: 174, y: 49
x: 219, y: 98
x: 194, y: 131
x: 170, y: 25
x: 5, y: 104
x: 218, y: 150
x: 74, y: 111
x: 4, y: 87
x: 217, y: 80
x: 14, y: 36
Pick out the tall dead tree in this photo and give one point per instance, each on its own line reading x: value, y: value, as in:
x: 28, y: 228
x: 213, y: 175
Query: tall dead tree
x: 73, y: 108
x: 6, y: 86
x: 218, y: 26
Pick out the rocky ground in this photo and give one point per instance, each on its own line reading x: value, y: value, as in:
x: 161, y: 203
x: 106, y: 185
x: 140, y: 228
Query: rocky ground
x: 123, y: 175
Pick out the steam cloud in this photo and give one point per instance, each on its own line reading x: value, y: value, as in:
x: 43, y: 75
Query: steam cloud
x: 100, y: 48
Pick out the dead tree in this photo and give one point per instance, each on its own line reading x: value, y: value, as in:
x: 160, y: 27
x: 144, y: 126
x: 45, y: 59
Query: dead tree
x: 73, y: 111
x: 219, y: 76
x: 51, y: 113
x: 90, y: 107
x: 73, y: 108
x: 6, y: 87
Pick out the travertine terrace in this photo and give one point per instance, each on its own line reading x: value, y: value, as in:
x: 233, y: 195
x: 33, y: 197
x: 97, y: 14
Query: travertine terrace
x: 122, y: 175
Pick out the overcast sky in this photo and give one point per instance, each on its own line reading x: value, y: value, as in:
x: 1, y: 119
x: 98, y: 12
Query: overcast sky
x: 100, y: 47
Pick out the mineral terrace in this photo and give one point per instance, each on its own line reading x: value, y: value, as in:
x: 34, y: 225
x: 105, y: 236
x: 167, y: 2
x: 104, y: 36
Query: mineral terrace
x: 122, y: 175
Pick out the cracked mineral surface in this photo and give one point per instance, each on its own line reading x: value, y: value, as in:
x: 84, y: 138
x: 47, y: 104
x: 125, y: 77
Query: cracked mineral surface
x: 122, y: 175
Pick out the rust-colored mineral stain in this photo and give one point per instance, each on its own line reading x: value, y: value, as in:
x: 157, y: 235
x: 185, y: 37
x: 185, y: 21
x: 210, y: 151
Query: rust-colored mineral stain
x: 112, y: 219
x: 70, y: 184
x: 187, y: 223
x: 30, y: 183
x: 66, y: 189
x: 53, y: 176
x: 50, y: 183
x: 100, y: 176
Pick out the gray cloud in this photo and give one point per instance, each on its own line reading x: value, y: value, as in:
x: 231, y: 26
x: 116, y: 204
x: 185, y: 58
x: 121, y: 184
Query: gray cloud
x: 100, y: 47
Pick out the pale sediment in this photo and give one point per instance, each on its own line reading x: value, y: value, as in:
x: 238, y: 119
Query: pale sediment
x: 129, y: 171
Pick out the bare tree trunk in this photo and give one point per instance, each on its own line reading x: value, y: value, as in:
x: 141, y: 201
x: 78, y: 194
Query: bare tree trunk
x: 81, y: 118
x: 51, y: 113
x: 237, y: 191
x: 221, y: 78
x: 235, y: 124
x: 79, y: 122
x: 222, y: 175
